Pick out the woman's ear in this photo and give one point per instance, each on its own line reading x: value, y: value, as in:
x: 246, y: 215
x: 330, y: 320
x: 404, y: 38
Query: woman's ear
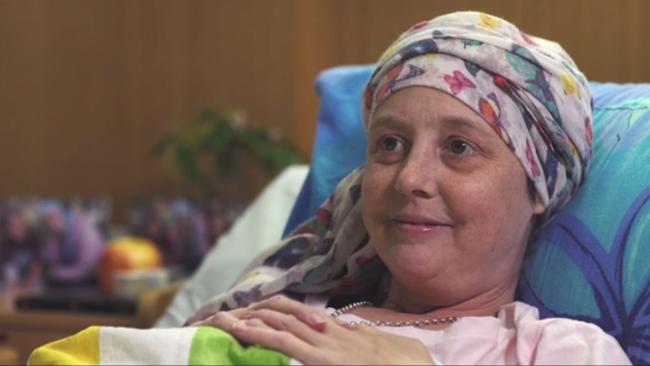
x: 538, y: 205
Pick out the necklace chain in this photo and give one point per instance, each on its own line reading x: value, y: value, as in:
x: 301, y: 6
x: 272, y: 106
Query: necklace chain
x: 389, y: 323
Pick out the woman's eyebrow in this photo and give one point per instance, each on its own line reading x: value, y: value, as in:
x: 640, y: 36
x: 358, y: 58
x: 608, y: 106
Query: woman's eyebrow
x: 387, y: 121
x: 450, y: 122
x: 461, y: 123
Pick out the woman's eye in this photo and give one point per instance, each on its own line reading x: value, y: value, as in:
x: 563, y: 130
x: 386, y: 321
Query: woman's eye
x: 389, y: 144
x: 390, y: 149
x: 460, y: 147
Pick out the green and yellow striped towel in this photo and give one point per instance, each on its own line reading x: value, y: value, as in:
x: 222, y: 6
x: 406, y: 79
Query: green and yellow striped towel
x: 169, y: 346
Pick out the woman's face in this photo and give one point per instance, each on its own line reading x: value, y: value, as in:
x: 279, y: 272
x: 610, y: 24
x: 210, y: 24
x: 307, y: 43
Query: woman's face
x: 445, y: 202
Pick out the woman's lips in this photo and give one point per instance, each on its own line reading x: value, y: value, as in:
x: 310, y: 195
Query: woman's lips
x: 415, y: 224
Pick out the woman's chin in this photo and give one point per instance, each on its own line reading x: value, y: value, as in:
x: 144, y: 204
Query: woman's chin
x: 415, y: 261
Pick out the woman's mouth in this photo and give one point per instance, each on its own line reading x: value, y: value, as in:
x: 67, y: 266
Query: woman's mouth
x: 417, y: 224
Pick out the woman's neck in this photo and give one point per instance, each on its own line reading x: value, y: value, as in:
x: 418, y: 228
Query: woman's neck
x: 486, y: 303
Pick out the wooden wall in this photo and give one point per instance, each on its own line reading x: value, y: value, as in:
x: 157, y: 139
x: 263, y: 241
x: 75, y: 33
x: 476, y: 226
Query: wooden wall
x: 87, y: 86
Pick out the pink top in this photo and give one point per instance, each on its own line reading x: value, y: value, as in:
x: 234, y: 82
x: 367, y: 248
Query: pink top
x: 515, y: 336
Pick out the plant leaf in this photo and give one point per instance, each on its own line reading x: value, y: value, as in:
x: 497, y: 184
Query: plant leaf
x: 188, y: 163
x: 159, y: 148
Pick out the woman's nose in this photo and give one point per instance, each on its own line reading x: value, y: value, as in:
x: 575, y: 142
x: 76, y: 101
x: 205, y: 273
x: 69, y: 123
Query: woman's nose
x: 416, y: 177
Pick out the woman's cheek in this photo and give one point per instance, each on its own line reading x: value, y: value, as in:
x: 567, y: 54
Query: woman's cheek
x: 375, y: 188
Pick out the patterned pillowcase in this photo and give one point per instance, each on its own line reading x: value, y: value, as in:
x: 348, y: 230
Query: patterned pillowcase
x: 340, y: 144
x: 589, y: 262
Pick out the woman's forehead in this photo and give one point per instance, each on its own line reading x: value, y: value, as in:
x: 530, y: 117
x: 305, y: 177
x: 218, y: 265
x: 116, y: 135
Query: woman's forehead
x: 426, y: 106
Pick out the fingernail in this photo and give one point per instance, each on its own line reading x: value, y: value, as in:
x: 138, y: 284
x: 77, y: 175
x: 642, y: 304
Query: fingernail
x: 316, y: 318
x: 238, y: 326
x: 318, y: 323
x: 344, y: 324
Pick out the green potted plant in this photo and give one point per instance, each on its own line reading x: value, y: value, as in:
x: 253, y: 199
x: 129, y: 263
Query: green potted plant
x: 213, y: 148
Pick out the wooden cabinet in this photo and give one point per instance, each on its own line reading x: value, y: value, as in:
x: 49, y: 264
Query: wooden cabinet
x: 22, y: 331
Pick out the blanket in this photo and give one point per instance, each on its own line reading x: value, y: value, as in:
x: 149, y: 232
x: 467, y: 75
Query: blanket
x: 99, y: 345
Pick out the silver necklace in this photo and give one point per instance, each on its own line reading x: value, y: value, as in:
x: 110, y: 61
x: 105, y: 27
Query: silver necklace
x: 389, y: 323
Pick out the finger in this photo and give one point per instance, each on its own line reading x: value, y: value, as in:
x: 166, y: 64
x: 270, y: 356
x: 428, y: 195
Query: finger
x: 287, y: 322
x: 203, y: 322
x: 346, y: 325
x: 255, y: 322
x: 227, y: 321
x: 315, y: 318
x: 222, y: 320
x: 209, y: 320
x: 279, y: 340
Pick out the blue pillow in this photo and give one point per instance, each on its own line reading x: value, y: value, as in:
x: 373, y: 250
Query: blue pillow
x: 589, y: 261
x: 340, y: 144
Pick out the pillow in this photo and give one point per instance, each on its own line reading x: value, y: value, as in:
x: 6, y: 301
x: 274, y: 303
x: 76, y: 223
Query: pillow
x: 588, y: 262
x: 340, y: 144
x: 234, y: 250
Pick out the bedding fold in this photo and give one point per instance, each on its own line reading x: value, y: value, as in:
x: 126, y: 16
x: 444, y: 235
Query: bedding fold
x: 169, y: 346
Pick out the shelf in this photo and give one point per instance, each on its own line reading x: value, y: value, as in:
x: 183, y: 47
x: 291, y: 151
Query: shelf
x: 22, y: 331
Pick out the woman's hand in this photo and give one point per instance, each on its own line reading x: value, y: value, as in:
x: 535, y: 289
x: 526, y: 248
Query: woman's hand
x: 306, y: 314
x: 312, y: 337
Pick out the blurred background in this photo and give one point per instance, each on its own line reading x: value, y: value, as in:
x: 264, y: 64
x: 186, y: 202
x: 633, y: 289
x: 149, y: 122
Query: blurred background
x: 133, y: 132
x: 88, y: 87
x: 162, y: 119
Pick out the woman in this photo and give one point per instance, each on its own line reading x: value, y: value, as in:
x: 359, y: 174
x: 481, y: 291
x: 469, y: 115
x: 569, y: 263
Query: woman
x: 477, y: 134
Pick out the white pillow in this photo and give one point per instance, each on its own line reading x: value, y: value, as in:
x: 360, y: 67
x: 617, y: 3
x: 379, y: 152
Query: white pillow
x: 258, y: 228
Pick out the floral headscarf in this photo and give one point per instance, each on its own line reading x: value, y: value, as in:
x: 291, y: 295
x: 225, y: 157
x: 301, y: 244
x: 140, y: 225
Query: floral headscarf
x: 527, y: 89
